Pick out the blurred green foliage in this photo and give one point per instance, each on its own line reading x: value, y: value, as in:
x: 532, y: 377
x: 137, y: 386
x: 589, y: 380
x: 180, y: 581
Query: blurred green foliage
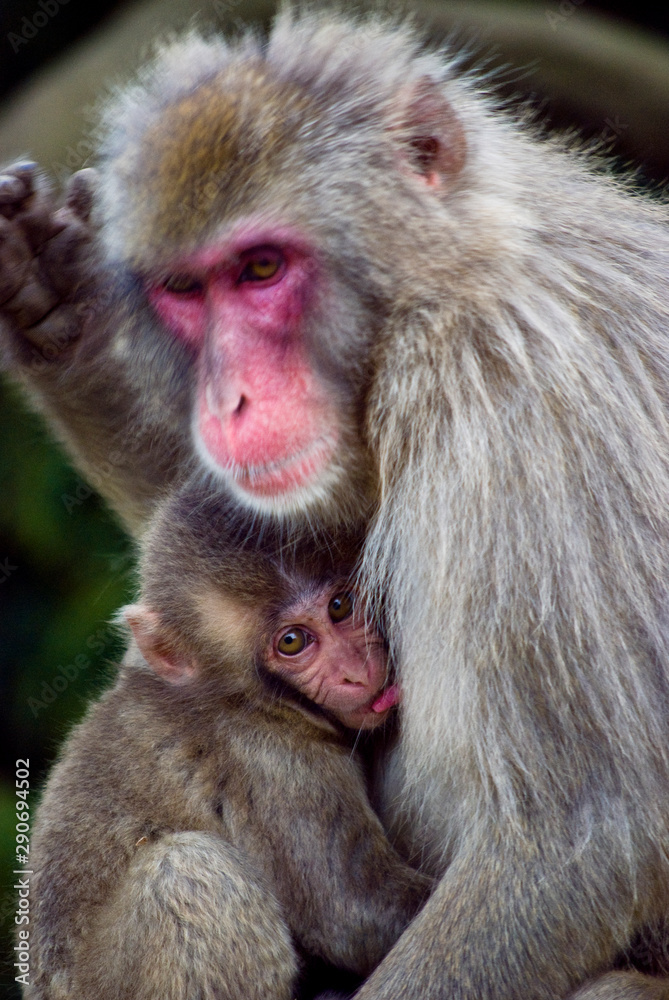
x: 65, y: 568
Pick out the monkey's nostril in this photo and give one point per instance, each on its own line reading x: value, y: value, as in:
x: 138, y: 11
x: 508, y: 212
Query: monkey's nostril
x: 241, y: 405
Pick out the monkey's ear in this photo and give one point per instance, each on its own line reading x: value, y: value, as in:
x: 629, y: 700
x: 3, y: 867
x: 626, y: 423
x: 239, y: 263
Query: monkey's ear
x: 155, y: 647
x: 433, y: 140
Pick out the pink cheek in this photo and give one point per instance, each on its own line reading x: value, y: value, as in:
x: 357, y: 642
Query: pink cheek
x: 183, y: 315
x: 296, y: 669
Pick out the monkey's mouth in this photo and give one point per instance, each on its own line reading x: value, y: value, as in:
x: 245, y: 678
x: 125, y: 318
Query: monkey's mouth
x: 388, y: 698
x: 288, y: 474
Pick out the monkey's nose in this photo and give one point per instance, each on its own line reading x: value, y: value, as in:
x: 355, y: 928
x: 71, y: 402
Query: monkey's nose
x: 241, y: 405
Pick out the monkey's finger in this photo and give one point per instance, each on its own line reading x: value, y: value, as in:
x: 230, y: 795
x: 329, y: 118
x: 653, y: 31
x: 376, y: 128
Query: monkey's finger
x: 33, y: 301
x: 61, y: 256
x: 17, y: 183
x: 15, y: 259
x: 11, y: 190
x: 81, y: 191
x: 53, y: 335
x: 26, y: 171
x: 27, y: 204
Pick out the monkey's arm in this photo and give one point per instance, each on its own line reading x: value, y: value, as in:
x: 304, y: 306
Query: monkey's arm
x: 347, y: 894
x: 544, y: 916
x: 135, y: 893
x: 64, y: 331
x: 83, y: 839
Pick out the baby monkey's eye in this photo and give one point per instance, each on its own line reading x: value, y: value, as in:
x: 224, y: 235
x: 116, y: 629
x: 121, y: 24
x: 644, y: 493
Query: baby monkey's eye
x: 340, y: 607
x: 292, y: 641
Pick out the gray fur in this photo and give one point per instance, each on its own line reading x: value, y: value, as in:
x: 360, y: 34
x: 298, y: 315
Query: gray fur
x: 505, y: 333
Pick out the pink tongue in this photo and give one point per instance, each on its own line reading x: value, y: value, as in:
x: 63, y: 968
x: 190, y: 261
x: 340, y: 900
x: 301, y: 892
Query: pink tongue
x: 387, y: 699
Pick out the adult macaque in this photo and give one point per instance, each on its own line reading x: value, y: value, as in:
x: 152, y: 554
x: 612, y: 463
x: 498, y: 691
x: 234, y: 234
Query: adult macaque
x: 197, y: 824
x: 363, y: 288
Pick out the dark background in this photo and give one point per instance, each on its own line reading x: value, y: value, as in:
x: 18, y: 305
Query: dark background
x: 77, y: 17
x: 65, y: 566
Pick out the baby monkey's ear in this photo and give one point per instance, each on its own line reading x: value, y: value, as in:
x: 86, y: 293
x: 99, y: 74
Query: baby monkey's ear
x: 156, y: 646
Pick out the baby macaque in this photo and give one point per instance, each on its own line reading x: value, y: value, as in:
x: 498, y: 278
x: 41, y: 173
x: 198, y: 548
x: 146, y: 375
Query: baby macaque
x: 201, y: 830
x: 320, y: 645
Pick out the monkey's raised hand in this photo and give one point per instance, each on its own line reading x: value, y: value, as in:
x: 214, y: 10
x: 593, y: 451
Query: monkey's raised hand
x: 63, y: 327
x: 46, y: 286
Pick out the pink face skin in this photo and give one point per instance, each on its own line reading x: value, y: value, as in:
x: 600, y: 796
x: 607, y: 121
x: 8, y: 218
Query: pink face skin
x: 329, y: 655
x: 262, y: 419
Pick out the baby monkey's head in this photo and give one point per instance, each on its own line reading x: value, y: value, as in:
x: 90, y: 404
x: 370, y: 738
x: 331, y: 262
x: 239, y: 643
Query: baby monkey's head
x: 219, y: 607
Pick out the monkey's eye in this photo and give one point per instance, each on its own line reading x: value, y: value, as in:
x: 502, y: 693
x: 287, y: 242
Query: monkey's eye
x: 293, y: 641
x: 182, y: 284
x: 263, y: 265
x: 340, y: 607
